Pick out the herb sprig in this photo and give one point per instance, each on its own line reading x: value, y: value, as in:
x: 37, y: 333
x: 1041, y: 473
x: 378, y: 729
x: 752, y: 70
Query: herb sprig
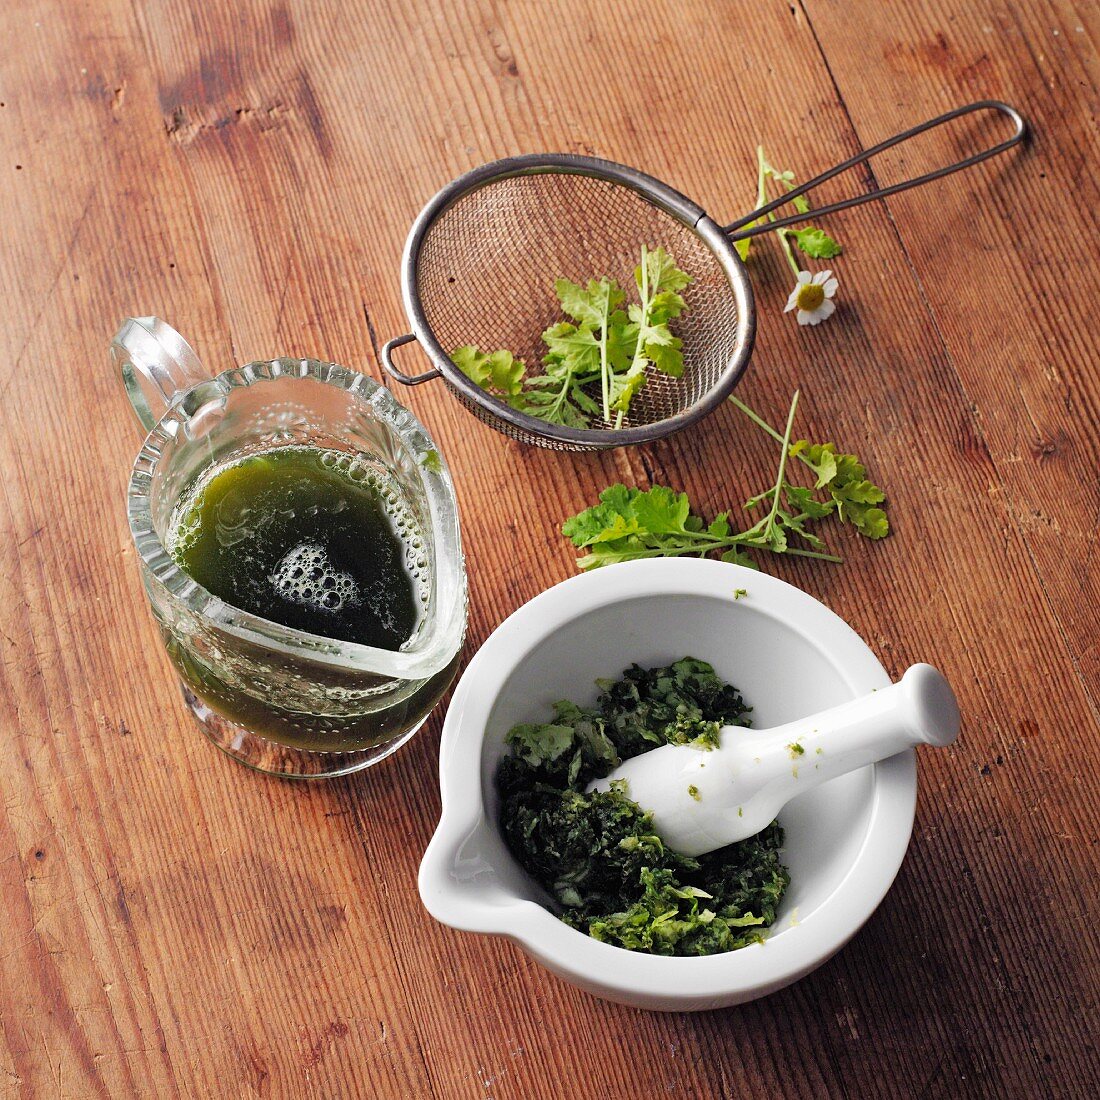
x: 810, y: 240
x: 596, y: 362
x: 631, y: 524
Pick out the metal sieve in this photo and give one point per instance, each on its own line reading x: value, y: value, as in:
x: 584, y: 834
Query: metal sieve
x: 482, y: 256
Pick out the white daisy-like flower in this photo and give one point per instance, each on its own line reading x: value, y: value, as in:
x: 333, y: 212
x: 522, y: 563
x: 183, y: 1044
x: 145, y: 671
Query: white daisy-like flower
x: 812, y: 297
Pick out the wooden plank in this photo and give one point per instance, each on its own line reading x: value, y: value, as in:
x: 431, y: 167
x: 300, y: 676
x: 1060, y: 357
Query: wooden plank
x: 249, y: 172
x: 1023, y: 343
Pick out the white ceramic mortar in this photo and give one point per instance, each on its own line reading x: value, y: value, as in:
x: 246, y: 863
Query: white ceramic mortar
x: 787, y: 653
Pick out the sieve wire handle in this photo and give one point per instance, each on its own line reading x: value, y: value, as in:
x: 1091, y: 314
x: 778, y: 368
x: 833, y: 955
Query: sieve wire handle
x: 741, y: 229
x: 395, y: 372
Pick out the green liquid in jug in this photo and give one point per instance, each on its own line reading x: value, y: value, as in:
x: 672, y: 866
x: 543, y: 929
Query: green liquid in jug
x: 320, y: 541
x: 304, y: 537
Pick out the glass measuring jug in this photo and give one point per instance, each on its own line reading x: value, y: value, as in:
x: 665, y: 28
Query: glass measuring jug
x: 282, y: 700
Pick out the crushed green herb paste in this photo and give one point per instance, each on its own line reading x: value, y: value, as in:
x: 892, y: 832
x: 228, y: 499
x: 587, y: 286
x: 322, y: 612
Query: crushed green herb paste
x: 598, y: 855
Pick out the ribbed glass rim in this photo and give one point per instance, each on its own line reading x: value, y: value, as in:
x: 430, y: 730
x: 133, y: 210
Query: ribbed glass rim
x: 431, y: 649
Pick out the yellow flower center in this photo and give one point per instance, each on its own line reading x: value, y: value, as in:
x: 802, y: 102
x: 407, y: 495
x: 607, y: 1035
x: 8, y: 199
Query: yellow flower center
x: 810, y: 296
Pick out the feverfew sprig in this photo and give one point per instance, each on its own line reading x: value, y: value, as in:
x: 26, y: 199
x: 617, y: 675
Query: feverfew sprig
x: 813, y: 293
x: 853, y: 498
x: 630, y: 524
x: 601, y: 345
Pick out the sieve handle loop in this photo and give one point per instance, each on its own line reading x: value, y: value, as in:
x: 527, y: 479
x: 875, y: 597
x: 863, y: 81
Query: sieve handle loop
x: 741, y: 229
x: 395, y: 372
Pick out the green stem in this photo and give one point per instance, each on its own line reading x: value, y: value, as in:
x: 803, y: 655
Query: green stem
x: 755, y: 418
x: 763, y: 168
x: 605, y: 374
x: 561, y: 400
x: 727, y: 543
x: 813, y: 554
x: 788, y: 251
x: 673, y: 551
x: 761, y: 423
x: 752, y: 502
x: 562, y: 397
x: 782, y: 463
x: 639, y: 350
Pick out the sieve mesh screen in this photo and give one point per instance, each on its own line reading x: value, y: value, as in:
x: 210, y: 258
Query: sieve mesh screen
x: 487, y: 264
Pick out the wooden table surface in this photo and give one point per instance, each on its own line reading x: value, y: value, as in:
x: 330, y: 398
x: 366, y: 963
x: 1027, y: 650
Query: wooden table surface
x: 174, y: 925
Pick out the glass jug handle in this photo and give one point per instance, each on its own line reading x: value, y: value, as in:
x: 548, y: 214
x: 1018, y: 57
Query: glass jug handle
x: 157, y: 365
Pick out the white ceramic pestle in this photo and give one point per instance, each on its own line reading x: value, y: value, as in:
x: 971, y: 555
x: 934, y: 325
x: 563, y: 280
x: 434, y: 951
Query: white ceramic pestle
x: 704, y: 799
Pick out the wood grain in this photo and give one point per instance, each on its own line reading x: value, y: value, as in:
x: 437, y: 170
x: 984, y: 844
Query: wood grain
x: 178, y: 927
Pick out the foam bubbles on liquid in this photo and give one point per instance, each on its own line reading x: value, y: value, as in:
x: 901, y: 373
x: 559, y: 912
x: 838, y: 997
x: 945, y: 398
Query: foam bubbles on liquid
x: 306, y: 576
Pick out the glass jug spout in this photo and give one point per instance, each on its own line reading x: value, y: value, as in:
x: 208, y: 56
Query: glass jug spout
x: 157, y: 366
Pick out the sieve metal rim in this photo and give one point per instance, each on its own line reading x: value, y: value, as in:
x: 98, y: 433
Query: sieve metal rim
x: 665, y: 198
